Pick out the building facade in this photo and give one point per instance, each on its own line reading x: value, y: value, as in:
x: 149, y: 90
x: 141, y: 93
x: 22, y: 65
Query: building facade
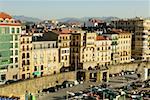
x: 10, y: 30
x: 25, y: 56
x: 103, y: 50
x: 140, y: 29
x: 114, y: 47
x: 45, y: 58
x: 124, y: 46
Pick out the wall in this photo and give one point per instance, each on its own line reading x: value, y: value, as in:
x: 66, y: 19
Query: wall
x: 33, y: 85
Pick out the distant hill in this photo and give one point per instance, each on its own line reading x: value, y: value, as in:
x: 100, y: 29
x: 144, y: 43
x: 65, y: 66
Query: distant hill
x: 84, y: 19
x: 26, y: 19
x: 69, y: 19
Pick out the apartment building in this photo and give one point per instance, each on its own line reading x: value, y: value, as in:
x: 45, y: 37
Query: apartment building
x: 103, y: 50
x: 140, y: 29
x: 45, y: 56
x: 75, y: 47
x: 88, y: 50
x: 114, y: 47
x: 63, y: 36
x: 124, y: 46
x: 10, y: 30
x: 25, y: 58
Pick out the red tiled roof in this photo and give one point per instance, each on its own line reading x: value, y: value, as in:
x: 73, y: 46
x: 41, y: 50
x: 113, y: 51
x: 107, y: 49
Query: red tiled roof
x: 95, y: 20
x: 5, y: 15
x: 100, y: 38
x: 63, y: 31
x: 120, y: 31
x: 14, y: 24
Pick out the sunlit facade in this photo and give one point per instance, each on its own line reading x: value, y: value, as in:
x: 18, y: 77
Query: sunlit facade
x: 10, y: 30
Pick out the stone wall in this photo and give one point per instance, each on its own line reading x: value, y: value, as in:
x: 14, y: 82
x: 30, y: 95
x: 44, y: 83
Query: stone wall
x: 118, y: 68
x: 33, y: 85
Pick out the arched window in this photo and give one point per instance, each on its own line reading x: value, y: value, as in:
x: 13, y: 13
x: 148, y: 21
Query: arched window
x: 23, y: 41
x: 27, y: 47
x: 23, y: 48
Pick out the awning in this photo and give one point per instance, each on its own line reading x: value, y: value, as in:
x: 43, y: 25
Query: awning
x: 37, y: 73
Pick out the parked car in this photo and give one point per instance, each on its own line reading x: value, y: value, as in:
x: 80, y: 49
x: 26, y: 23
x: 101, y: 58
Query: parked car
x: 66, y: 84
x: 10, y: 81
x: 45, y: 90
x: 59, y: 86
x: 52, y: 89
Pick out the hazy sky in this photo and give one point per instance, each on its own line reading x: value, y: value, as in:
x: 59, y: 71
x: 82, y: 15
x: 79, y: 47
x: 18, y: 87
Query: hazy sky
x: 46, y: 9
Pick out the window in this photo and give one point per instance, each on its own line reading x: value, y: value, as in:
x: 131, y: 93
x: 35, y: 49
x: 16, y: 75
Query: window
x: 23, y: 48
x: 11, y: 60
x: 16, y: 52
x: 27, y: 47
x: 53, y: 45
x: 11, y: 52
x: 77, y: 37
x: 23, y: 68
x: 28, y: 62
x: 16, y: 66
x: 23, y: 62
x: 16, y: 45
x: 3, y: 77
x: 16, y: 37
x: 27, y: 67
x: 23, y: 41
x: 35, y: 68
x: 27, y: 40
x: 18, y: 31
x: 13, y: 30
x: 66, y: 58
x: 16, y: 60
x: 28, y: 55
x: 15, y: 76
x: 23, y: 76
x: 42, y: 67
x: 48, y: 45
x: 11, y: 66
x: 54, y: 59
x: 11, y: 45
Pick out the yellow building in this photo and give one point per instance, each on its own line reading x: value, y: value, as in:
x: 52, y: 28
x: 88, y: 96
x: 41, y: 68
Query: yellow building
x: 88, y: 51
x: 25, y: 68
x: 103, y: 51
x: 114, y: 47
x: 45, y: 58
x: 139, y: 28
x: 63, y: 37
x: 124, y: 46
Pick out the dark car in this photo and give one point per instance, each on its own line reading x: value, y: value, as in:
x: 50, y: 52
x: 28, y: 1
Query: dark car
x: 59, y: 86
x: 10, y: 81
x: 52, y: 89
x: 45, y: 90
x: 66, y: 84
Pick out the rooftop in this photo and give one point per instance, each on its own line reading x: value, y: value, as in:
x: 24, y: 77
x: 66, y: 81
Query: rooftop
x: 102, y: 38
x: 5, y: 15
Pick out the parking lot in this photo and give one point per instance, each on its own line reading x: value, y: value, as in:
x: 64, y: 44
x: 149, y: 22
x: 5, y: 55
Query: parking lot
x: 114, y: 82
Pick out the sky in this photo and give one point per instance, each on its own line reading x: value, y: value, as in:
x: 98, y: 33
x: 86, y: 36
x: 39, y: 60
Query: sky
x: 48, y: 9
